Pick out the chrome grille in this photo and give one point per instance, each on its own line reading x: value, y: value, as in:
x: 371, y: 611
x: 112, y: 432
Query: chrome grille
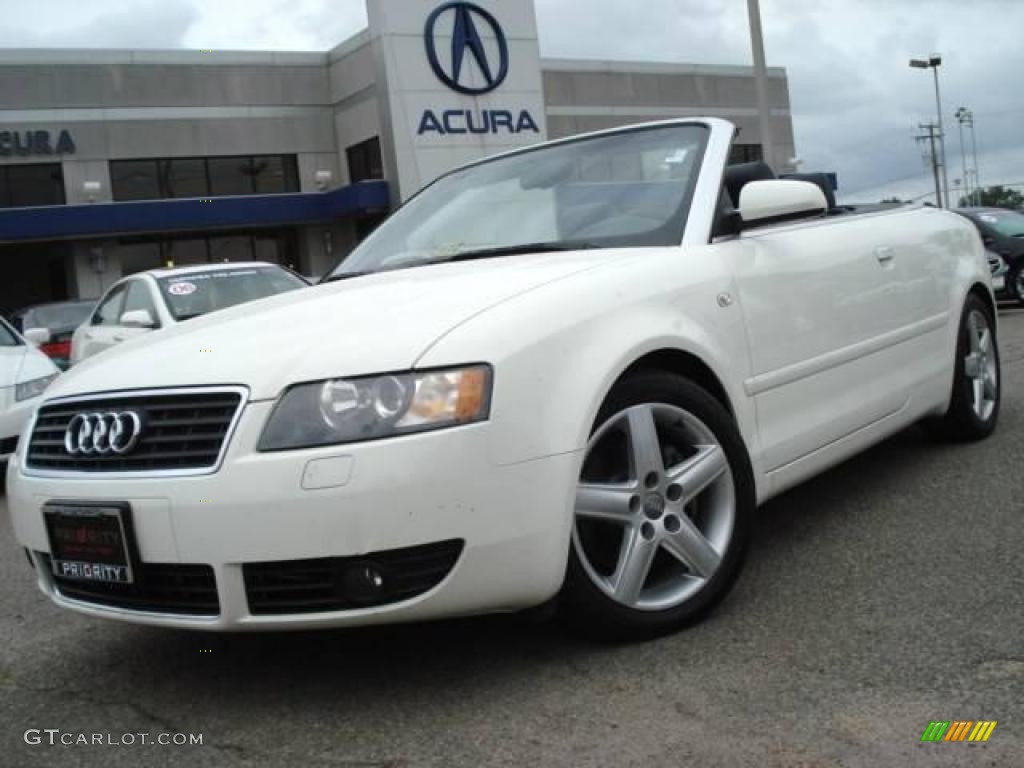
x: 183, y: 430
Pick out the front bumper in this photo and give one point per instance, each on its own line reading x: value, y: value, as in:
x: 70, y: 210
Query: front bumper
x: 337, y: 502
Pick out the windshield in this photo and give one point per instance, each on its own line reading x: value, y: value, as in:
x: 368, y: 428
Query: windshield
x: 196, y: 293
x: 1006, y: 223
x: 57, y: 316
x: 630, y: 188
x: 7, y: 337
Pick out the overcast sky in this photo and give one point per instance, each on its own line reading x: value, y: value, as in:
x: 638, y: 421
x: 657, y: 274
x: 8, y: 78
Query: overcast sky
x: 855, y: 101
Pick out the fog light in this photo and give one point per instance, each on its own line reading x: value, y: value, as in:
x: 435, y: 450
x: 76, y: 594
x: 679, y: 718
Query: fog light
x: 364, y: 583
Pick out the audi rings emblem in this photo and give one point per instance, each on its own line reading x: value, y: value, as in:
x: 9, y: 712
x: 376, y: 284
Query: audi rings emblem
x: 103, y: 433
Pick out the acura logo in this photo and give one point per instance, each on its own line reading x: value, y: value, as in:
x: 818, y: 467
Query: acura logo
x: 103, y: 433
x: 466, y: 37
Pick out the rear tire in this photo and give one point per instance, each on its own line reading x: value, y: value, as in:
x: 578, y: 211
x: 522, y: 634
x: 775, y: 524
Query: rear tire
x: 660, y: 525
x: 977, y: 379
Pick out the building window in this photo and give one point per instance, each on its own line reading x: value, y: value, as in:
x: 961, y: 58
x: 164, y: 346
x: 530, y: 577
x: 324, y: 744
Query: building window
x: 745, y: 153
x: 31, y: 185
x: 278, y: 246
x: 183, y: 177
x: 203, y: 177
x: 364, y: 161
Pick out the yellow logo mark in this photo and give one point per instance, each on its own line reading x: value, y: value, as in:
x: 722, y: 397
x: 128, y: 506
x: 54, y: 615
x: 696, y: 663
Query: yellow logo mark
x: 982, y: 730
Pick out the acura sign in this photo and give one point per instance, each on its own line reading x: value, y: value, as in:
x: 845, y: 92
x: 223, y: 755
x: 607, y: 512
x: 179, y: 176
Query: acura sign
x: 453, y: 68
x: 21, y: 143
x: 466, y: 39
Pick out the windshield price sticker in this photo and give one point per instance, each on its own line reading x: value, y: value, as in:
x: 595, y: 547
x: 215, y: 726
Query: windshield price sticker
x: 181, y: 289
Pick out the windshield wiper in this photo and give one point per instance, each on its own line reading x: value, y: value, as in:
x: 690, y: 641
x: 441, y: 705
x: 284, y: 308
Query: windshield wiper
x: 346, y: 276
x: 517, y: 250
x: 482, y: 253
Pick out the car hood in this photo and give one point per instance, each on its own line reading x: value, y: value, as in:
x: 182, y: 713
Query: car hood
x: 365, y: 325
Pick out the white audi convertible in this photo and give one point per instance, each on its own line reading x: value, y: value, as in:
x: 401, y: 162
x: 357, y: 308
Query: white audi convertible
x: 572, y: 371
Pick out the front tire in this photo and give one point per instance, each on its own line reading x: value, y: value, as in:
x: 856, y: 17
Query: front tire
x: 974, y: 406
x: 662, y: 510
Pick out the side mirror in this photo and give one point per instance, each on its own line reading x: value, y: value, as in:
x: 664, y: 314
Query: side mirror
x: 777, y: 200
x: 138, y: 318
x: 38, y: 336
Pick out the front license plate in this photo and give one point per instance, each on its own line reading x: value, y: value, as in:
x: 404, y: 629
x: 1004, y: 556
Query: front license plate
x: 90, y: 542
x: 998, y: 283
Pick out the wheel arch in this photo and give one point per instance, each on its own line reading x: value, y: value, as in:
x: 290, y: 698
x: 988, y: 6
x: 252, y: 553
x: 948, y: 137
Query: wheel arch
x: 685, y: 364
x: 983, y: 293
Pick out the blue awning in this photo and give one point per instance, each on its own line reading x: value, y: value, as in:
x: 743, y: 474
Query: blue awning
x: 61, y: 222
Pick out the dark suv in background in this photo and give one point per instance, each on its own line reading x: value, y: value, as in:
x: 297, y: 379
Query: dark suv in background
x: 1002, y: 231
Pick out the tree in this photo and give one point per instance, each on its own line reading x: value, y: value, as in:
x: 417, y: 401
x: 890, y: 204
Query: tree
x: 995, y: 197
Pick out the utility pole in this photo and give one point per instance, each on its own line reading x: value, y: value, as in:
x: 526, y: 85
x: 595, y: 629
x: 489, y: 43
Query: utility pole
x: 961, y: 118
x: 930, y: 137
x: 942, y: 137
x: 761, y: 80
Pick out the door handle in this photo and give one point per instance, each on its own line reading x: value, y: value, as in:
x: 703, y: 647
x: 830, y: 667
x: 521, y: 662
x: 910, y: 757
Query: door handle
x: 884, y: 254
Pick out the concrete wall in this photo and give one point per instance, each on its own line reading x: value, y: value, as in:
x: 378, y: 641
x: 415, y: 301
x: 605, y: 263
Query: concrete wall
x: 117, y: 104
x: 356, y: 112
x: 585, y: 96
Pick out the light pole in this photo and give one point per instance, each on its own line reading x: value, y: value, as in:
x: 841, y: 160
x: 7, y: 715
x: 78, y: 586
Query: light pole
x: 933, y: 63
x: 761, y: 80
x: 974, y: 154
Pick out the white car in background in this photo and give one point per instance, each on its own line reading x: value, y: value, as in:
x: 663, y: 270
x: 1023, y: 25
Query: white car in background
x: 575, y: 369
x: 161, y: 298
x: 25, y: 373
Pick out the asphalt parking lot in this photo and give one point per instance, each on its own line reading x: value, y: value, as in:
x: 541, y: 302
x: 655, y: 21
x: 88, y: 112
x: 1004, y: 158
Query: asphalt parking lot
x: 879, y: 597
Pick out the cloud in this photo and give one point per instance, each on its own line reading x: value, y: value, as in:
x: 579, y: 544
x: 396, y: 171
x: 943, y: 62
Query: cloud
x: 146, y: 24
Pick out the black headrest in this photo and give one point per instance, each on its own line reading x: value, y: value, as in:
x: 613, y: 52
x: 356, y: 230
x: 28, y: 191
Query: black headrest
x: 739, y: 175
x: 820, y: 179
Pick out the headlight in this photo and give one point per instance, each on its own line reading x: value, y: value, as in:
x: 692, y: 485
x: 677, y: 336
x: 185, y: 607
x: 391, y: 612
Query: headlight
x: 34, y: 388
x: 350, y: 410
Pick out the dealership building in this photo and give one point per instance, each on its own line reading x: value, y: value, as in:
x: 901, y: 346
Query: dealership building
x: 117, y: 161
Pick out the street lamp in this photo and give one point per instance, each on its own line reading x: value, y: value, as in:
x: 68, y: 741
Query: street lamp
x: 933, y: 63
x: 966, y: 117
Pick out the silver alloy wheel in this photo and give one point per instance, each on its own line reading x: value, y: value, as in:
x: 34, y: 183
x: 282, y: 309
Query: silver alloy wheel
x: 650, y: 536
x: 980, y: 365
